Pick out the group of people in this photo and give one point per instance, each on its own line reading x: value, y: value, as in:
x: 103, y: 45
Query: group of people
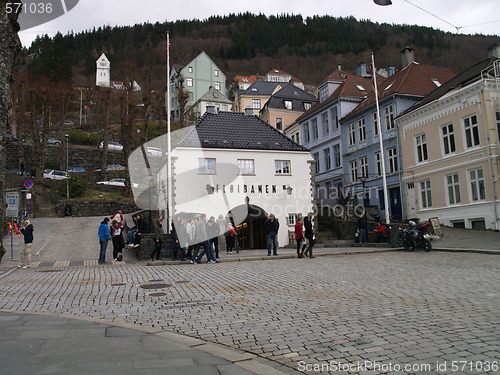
x: 304, y: 236
x: 195, y: 233
x: 115, y: 233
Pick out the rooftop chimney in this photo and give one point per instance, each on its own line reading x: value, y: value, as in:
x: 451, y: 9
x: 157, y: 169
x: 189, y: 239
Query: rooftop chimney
x: 494, y: 51
x: 407, y: 56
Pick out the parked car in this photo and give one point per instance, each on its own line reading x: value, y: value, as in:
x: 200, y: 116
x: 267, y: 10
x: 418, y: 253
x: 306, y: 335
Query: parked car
x: 154, y: 151
x: 76, y: 169
x: 113, y: 182
x: 11, y: 138
x: 54, y: 174
x: 112, y: 146
x: 112, y: 167
x: 68, y: 122
x: 51, y: 141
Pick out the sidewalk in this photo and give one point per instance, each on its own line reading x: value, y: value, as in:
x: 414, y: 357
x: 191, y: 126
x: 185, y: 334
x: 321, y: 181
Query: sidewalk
x: 48, y: 344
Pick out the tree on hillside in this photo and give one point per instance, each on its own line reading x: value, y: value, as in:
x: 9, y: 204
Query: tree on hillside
x: 10, y: 46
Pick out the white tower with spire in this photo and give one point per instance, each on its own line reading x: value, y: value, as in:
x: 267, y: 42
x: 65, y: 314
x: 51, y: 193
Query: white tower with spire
x: 103, y: 72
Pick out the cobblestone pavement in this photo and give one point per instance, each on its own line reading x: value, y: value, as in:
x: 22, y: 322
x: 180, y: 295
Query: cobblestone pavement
x: 374, y: 312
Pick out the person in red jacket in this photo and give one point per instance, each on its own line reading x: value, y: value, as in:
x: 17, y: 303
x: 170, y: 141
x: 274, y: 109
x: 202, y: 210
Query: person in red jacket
x: 299, y: 236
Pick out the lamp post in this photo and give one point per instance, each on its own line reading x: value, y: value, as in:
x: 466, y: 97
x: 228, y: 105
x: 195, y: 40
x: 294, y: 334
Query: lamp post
x: 363, y: 180
x: 67, y: 165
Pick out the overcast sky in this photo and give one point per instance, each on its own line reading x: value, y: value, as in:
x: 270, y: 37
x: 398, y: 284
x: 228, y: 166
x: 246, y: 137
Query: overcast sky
x: 471, y: 16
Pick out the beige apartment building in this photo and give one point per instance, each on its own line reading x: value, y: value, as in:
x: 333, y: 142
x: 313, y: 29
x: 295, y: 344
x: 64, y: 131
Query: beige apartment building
x: 450, y: 144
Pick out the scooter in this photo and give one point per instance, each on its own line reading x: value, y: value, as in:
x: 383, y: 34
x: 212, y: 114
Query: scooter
x: 416, y: 236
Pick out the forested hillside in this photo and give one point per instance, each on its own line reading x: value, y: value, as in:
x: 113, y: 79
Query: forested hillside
x: 308, y: 48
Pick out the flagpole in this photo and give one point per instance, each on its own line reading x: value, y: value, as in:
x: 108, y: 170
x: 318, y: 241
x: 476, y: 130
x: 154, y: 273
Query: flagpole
x: 381, y: 142
x: 169, y: 144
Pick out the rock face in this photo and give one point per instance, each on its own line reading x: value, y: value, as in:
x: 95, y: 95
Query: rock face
x: 9, y: 47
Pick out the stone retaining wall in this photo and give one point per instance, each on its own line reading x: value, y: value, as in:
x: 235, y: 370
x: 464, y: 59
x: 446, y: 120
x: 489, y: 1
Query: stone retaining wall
x: 95, y: 208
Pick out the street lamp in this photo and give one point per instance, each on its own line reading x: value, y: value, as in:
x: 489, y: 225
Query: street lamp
x: 67, y: 165
x: 363, y: 179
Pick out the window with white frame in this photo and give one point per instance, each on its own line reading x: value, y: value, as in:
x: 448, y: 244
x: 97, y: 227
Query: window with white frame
x: 307, y: 135
x: 316, y: 162
x: 362, y: 130
x: 307, y: 106
x: 206, y: 165
x: 246, y: 166
x: 425, y: 194
x: 352, y: 134
x: 328, y: 160
x: 279, y: 123
x: 326, y: 124
x: 216, y: 73
x: 363, y: 165
x: 389, y: 117
x: 189, y: 82
x: 393, y: 159
x: 353, y: 170
x: 448, y: 139
x: 217, y: 85
x: 323, y: 93
x: 421, y: 148
x: 282, y: 167
x: 375, y: 123
x: 288, y: 104
x: 292, y: 219
x: 378, y: 163
x: 336, y: 155
x: 256, y: 103
x: 190, y: 69
x: 471, y: 128
x: 335, y: 118
x: 453, y: 184
x: 314, y: 124
x: 478, y: 192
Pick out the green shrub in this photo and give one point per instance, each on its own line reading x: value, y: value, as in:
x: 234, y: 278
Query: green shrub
x: 51, y: 163
x: 82, y: 137
x: 77, y: 187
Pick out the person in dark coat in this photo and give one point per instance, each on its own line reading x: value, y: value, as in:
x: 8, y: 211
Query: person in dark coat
x: 27, y: 231
x: 158, y: 239
x: 309, y: 235
x: 362, y: 229
x: 117, y: 239
x: 272, y: 227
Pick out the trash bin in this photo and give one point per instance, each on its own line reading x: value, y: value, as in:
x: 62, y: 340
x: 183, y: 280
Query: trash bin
x: 393, y: 235
x: 68, y: 210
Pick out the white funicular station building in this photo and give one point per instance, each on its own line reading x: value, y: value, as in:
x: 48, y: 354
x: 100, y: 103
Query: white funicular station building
x: 240, y: 167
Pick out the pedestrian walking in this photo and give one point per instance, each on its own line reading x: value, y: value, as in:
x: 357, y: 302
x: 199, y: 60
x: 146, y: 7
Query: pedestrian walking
x: 213, y: 232
x: 104, y: 237
x: 27, y: 231
x: 117, y: 239
x: 180, y: 237
x: 299, y: 236
x: 202, y: 240
x: 191, y: 232
x: 230, y: 236
x: 272, y: 227
x: 158, y: 239
x: 361, y: 229
x: 309, y: 235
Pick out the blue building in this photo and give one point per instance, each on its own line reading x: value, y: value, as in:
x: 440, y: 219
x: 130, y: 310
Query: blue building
x: 362, y: 158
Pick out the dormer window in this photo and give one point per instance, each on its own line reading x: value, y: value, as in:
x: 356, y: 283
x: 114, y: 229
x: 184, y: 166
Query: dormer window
x: 288, y: 104
x: 436, y: 82
x: 307, y: 106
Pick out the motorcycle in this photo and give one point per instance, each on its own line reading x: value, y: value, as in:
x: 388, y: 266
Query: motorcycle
x: 416, y: 236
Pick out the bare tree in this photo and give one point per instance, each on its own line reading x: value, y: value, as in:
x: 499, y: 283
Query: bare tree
x: 10, y: 46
